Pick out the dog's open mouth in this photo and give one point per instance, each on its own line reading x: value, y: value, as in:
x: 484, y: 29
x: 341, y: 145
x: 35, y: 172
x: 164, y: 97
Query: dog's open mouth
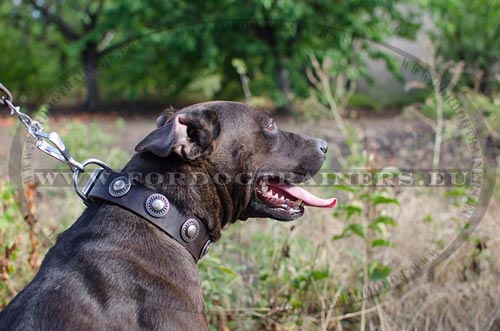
x: 288, y: 198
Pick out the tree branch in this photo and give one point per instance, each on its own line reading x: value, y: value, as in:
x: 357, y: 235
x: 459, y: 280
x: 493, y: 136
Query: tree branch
x: 93, y: 16
x: 67, y: 31
x: 119, y: 45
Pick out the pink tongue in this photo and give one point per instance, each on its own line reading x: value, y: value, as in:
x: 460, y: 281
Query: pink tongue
x: 308, y: 198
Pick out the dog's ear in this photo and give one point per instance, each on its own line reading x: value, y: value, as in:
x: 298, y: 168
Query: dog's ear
x: 189, y: 135
x: 164, y: 117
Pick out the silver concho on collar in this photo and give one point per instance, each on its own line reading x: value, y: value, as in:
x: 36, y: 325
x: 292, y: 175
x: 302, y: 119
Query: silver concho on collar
x: 119, y: 186
x: 205, y: 248
x: 157, y: 205
x: 190, y: 230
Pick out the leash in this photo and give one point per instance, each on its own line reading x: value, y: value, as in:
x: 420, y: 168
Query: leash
x: 52, y: 144
x: 116, y: 188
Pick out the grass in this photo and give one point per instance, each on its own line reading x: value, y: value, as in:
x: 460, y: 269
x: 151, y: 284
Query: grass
x: 303, y: 280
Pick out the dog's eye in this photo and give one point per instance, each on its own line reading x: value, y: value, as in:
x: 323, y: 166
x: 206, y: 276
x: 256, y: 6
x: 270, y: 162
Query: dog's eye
x: 271, y: 127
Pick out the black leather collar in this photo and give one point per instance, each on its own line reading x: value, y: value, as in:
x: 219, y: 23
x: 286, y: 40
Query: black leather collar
x: 117, y: 189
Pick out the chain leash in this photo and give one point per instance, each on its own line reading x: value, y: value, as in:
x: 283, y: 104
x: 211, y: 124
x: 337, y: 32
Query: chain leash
x: 52, y: 144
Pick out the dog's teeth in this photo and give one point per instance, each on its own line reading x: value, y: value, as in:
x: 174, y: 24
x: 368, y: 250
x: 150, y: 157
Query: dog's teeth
x: 264, y: 187
x: 298, y: 202
x: 275, y: 196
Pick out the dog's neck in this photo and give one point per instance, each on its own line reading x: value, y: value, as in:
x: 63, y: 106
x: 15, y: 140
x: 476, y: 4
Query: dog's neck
x: 187, y: 184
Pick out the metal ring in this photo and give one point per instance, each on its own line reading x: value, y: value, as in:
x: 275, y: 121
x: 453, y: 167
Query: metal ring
x: 80, y: 170
x: 93, y: 161
x: 77, y: 173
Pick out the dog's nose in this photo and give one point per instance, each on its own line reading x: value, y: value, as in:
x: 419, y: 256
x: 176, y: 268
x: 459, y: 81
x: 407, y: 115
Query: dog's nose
x: 322, y: 145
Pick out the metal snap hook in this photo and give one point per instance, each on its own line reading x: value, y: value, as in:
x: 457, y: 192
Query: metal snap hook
x: 7, y: 95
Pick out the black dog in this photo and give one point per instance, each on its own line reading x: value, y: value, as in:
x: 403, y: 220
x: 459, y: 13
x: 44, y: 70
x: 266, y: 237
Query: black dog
x: 113, y: 270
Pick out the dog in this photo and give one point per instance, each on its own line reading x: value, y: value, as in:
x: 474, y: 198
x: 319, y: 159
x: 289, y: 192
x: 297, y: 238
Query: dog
x: 112, y: 270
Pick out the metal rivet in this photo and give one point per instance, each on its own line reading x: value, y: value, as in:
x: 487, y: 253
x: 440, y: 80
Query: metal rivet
x: 205, y: 248
x: 157, y: 205
x: 119, y: 186
x: 190, y: 230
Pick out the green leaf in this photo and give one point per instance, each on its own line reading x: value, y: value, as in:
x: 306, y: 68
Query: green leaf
x: 340, y: 236
x: 378, y: 271
x: 382, y: 242
x: 385, y: 220
x: 471, y: 201
x: 351, y: 210
x: 456, y: 192
x: 227, y: 270
x: 318, y: 274
x: 380, y: 199
x: 357, y: 229
x: 296, y: 303
x: 380, y: 228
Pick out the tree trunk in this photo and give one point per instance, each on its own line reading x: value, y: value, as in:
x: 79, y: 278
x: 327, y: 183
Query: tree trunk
x: 285, y: 88
x: 489, y: 81
x: 90, y: 55
x: 268, y: 34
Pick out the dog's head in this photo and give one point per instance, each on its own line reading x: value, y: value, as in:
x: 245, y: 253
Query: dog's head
x: 245, y: 153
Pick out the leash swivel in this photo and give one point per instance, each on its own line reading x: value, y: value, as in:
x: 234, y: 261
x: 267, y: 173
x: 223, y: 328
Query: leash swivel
x: 53, y: 145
